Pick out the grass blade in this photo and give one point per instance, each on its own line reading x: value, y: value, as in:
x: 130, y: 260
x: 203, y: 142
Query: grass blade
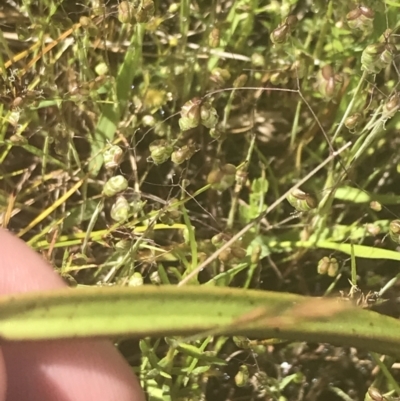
x: 170, y: 310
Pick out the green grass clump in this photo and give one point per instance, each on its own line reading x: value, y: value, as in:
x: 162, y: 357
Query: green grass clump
x: 221, y: 143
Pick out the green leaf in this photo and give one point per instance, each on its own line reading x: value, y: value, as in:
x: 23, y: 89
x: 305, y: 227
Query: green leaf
x: 392, y: 3
x: 111, y: 114
x: 224, y: 279
x: 104, y: 133
x: 169, y: 310
x: 259, y: 186
x: 81, y: 213
x: 356, y: 195
x: 360, y: 251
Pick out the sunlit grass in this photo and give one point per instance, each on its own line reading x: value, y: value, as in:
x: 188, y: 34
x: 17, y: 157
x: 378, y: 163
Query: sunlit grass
x: 98, y: 90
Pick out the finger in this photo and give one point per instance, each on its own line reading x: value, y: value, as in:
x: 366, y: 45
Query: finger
x: 3, y: 378
x: 74, y: 371
x: 59, y: 370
